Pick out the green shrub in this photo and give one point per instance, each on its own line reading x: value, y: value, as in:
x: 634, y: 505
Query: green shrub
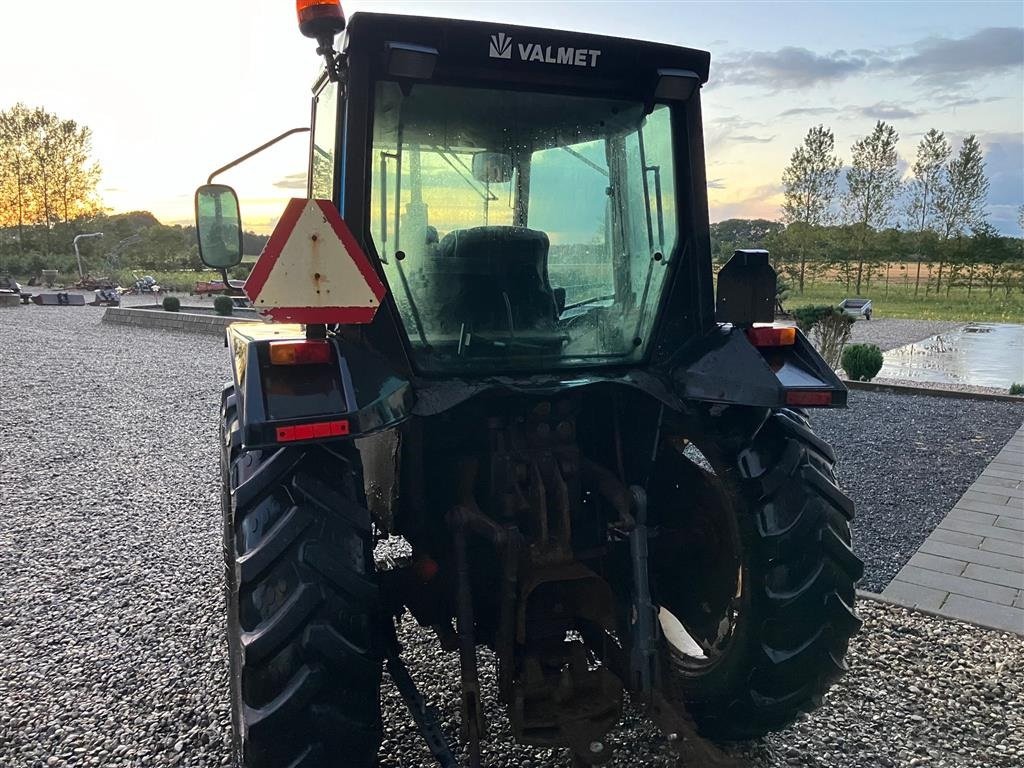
x: 171, y: 304
x: 862, y: 362
x: 1016, y: 389
x: 223, y: 305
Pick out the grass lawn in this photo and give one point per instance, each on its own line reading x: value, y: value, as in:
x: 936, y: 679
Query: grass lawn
x: 900, y: 302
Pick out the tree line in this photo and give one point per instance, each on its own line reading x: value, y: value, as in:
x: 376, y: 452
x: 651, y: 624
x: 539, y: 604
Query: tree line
x: 934, y: 220
x: 47, y: 175
x: 134, y: 241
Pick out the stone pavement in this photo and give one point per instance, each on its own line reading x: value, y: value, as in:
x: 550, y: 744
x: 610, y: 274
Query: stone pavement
x: 972, y: 566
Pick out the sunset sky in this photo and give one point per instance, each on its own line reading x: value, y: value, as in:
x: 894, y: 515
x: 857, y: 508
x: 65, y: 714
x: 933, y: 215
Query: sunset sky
x: 173, y: 90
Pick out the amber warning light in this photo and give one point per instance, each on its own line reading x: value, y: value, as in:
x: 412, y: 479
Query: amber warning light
x: 320, y: 19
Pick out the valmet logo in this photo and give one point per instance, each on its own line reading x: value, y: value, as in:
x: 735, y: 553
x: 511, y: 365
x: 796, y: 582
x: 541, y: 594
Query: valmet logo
x: 503, y: 47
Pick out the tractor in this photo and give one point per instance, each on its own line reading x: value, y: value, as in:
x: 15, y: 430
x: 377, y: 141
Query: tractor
x: 504, y: 395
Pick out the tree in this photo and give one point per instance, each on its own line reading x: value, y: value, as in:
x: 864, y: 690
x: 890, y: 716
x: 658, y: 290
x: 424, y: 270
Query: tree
x: 961, y: 200
x: 932, y: 155
x: 726, y: 236
x: 874, y: 182
x: 809, y: 183
x: 46, y: 175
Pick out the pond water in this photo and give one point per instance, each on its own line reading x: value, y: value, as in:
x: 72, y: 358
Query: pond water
x: 982, y: 354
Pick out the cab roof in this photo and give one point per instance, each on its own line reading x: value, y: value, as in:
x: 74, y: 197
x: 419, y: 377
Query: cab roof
x: 506, y: 52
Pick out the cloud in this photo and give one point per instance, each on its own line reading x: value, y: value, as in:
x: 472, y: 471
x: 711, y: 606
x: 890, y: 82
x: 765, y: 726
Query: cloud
x: 790, y: 67
x: 809, y: 111
x: 748, y: 139
x: 292, y: 181
x: 716, y: 183
x: 885, y: 110
x: 971, y: 102
x: 935, y: 62
x: 942, y: 61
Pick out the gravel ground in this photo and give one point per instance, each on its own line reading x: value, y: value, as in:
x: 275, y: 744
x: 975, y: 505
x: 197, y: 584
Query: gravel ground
x: 905, y: 460
x: 111, y: 642
x: 889, y: 333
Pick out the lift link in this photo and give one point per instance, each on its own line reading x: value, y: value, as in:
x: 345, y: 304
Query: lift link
x: 644, y: 658
x: 424, y: 716
x: 473, y: 724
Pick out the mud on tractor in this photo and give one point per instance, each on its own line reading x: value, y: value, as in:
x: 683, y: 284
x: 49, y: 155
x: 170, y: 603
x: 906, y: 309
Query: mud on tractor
x: 506, y: 351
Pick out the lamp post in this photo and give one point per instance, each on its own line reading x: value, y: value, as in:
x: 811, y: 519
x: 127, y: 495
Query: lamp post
x: 78, y: 257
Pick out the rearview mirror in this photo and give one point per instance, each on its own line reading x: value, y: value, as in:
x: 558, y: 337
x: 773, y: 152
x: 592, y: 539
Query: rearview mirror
x: 492, y: 167
x: 218, y: 226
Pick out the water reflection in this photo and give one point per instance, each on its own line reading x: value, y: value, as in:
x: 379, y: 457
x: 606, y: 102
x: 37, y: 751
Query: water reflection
x: 983, y: 354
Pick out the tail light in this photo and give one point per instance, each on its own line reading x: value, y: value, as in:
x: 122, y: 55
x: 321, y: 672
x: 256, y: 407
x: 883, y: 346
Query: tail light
x: 307, y: 352
x: 808, y: 397
x: 772, y: 337
x: 319, y: 429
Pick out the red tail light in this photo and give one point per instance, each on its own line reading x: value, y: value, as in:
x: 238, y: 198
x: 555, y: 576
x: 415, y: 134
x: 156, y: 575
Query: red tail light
x: 808, y: 397
x: 305, y: 352
x: 312, y: 431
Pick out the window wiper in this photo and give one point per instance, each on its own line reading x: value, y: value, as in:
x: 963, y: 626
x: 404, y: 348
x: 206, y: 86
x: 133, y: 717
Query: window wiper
x: 592, y: 300
x: 586, y: 161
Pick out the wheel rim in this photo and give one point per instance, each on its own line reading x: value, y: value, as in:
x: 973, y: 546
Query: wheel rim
x: 700, y: 594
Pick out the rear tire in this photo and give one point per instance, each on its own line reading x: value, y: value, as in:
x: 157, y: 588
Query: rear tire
x: 789, y: 588
x: 303, y: 608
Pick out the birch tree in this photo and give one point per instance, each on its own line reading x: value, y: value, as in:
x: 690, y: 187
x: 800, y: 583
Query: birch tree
x: 961, y: 199
x: 809, y: 183
x: 925, y: 186
x: 874, y: 183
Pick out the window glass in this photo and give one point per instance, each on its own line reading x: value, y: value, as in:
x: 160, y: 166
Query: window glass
x: 521, y: 230
x: 324, y: 133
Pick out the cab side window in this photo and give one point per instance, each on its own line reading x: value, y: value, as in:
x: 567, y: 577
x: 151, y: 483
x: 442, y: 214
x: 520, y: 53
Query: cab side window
x: 322, y: 164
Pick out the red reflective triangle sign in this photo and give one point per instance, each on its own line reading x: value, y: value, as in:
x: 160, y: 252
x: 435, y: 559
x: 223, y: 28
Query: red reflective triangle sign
x: 312, y: 270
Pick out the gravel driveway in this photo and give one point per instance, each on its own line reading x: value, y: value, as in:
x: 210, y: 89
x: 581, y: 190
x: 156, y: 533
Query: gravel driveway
x: 111, y: 643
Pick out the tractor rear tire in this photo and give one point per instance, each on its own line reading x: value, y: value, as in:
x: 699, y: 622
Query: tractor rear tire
x: 303, y: 608
x: 791, y: 594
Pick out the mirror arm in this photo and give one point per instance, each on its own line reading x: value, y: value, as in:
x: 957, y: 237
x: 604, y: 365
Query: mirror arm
x: 256, y: 151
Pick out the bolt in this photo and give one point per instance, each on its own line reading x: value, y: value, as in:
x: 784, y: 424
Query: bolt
x: 673, y: 737
x: 596, y: 747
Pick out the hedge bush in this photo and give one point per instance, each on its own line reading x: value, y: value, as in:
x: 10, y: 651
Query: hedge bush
x: 862, y: 362
x: 223, y: 305
x: 171, y: 304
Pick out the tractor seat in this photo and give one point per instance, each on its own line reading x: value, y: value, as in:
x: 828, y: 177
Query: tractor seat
x: 483, y: 275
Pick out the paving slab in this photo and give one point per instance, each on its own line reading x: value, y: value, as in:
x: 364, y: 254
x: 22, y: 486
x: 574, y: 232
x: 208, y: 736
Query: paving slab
x: 983, y: 531
x: 971, y: 567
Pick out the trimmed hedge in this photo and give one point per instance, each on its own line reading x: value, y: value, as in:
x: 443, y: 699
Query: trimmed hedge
x: 171, y: 304
x: 862, y: 362
x: 223, y: 305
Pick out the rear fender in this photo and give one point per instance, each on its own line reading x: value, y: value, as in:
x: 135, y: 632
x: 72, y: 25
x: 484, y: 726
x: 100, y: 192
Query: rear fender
x: 725, y: 367
x: 352, y: 395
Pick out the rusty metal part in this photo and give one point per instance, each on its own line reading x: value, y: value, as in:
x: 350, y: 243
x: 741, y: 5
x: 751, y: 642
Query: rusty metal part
x: 562, y: 697
x: 560, y: 701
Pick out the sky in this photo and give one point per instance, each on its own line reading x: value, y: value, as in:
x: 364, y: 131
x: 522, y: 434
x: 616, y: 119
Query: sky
x: 172, y: 91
